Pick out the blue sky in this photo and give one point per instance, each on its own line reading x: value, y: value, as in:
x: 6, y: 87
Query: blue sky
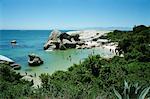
x: 68, y: 14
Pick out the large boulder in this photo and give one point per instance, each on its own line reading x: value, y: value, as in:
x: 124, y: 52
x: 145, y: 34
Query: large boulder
x: 52, y: 40
x: 62, y: 47
x: 69, y: 44
x: 64, y: 36
x: 54, y: 35
x: 66, y: 44
x: 13, y: 42
x: 15, y: 66
x: 75, y: 37
x: 67, y: 40
x: 34, y: 60
x: 62, y: 41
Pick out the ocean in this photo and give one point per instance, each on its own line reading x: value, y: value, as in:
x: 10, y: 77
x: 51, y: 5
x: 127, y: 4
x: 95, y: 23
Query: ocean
x: 32, y: 41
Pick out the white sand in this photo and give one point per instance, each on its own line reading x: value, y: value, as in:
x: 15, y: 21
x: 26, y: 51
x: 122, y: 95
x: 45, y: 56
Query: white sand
x: 112, y: 47
x: 89, y: 35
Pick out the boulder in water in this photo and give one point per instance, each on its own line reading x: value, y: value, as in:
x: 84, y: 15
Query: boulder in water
x: 53, y: 38
x: 13, y: 42
x: 15, y: 66
x: 34, y: 60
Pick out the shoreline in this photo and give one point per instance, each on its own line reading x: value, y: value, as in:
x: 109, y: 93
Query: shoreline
x: 86, y: 35
x: 37, y: 82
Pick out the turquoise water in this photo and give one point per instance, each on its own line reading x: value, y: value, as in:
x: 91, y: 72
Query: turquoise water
x: 32, y: 41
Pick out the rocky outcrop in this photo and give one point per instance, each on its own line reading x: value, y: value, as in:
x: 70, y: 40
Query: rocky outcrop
x: 66, y: 44
x: 15, y: 66
x: 10, y: 62
x: 73, y: 39
x: 62, y: 41
x: 13, y: 42
x: 34, y: 60
x: 52, y: 40
x: 64, y: 36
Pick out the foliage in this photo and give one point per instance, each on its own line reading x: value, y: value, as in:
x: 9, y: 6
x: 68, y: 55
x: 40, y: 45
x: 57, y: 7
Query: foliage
x: 95, y: 77
x: 80, y: 81
x: 133, y: 44
x: 11, y: 84
x: 132, y: 92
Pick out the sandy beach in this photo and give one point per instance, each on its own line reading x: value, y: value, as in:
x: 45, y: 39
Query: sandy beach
x: 89, y: 35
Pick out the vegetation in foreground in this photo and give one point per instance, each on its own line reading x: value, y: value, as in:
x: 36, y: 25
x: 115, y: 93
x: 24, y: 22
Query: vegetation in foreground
x: 94, y: 78
x: 11, y: 84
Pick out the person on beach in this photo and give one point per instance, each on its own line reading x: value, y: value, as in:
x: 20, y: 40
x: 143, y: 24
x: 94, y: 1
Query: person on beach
x: 70, y: 57
x: 93, y: 52
x: 34, y: 74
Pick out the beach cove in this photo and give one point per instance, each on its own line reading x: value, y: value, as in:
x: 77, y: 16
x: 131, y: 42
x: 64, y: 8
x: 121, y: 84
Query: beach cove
x: 32, y: 41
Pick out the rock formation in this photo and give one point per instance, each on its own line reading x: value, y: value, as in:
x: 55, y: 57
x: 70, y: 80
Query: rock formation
x: 13, y: 42
x: 73, y: 39
x: 64, y: 36
x: 52, y: 40
x: 62, y: 41
x: 10, y: 62
x: 15, y: 66
x: 34, y: 60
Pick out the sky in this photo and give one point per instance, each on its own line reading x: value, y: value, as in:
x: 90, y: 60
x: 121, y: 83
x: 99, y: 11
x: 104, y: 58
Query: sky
x: 69, y: 14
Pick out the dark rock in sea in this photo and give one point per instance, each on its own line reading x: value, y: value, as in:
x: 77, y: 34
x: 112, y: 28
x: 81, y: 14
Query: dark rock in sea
x: 46, y: 47
x: 16, y: 66
x: 34, y: 60
x: 13, y: 42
